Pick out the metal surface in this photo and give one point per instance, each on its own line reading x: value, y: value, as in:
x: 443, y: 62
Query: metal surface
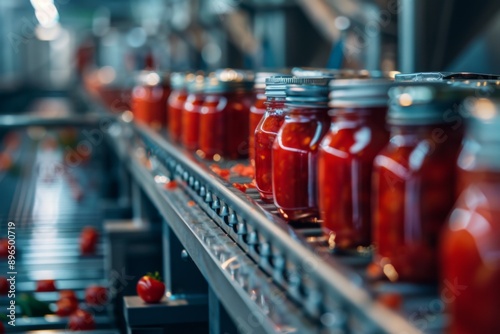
x: 167, y: 311
x: 45, y: 198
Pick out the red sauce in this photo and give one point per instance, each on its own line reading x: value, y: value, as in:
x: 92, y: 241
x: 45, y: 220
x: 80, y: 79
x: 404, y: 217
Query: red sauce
x: 256, y: 113
x: 175, y: 106
x: 469, y: 258
x: 224, y: 124
x: 191, y: 120
x: 265, y: 134
x: 345, y: 162
x: 149, y: 105
x: 295, y: 161
x: 414, y: 190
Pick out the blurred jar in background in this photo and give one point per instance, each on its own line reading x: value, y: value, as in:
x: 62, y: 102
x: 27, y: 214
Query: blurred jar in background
x: 190, y: 123
x: 414, y: 180
x: 470, y: 244
x: 176, y: 101
x: 258, y: 109
x: 266, y: 132
x: 467, y: 158
x: 224, y: 119
x: 295, y: 149
x: 345, y: 162
x: 149, y: 99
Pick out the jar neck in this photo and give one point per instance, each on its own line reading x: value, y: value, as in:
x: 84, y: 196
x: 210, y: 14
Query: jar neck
x: 370, y: 115
x: 306, y: 110
x: 275, y: 100
x: 230, y: 93
x: 423, y: 129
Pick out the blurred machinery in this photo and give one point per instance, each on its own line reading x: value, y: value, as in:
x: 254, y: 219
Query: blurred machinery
x: 39, y: 41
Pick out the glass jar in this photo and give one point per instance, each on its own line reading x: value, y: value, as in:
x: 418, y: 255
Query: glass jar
x: 175, y: 104
x: 149, y: 99
x: 414, y: 180
x: 224, y: 118
x: 258, y: 109
x: 266, y: 132
x: 470, y: 243
x: 190, y: 124
x: 345, y: 161
x: 466, y: 160
x: 295, y: 149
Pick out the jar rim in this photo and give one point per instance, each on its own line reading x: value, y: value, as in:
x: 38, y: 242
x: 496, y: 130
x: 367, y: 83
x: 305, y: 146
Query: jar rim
x: 444, y: 76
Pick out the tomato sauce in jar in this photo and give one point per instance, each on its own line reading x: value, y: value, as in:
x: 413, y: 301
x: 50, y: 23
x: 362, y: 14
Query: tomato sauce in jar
x: 470, y: 243
x: 345, y: 161
x: 266, y: 132
x: 258, y: 109
x: 414, y: 181
x: 175, y: 104
x: 295, y: 149
x: 224, y: 118
x: 190, y: 122
x: 149, y: 99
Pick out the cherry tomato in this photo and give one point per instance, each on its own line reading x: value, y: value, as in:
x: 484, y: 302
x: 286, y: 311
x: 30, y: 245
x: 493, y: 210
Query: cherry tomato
x: 224, y: 173
x: 66, y: 306
x: 391, y: 300
x: 4, y: 285
x: 150, y: 288
x: 96, y: 295
x: 240, y: 187
x: 45, y: 285
x: 243, y: 170
x: 12, y: 141
x: 171, y: 185
x: 88, y: 240
x: 68, y: 294
x: 4, y: 248
x: 81, y: 320
x: 5, y: 161
x: 2, y: 328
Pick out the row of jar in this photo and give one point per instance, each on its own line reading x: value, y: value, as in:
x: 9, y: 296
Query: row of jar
x: 383, y: 163
x: 214, y: 114
x: 378, y: 162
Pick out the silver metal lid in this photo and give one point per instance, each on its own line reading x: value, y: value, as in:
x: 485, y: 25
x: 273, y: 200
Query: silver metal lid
x: 180, y: 80
x: 276, y: 85
x: 445, y: 76
x: 304, y: 72
x: 307, y: 92
x: 424, y: 103
x: 230, y: 80
x: 261, y: 77
x: 197, y: 84
x: 359, y: 92
x: 153, y: 78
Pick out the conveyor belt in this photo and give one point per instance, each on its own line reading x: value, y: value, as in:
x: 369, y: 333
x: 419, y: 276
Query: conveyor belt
x: 50, y: 201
